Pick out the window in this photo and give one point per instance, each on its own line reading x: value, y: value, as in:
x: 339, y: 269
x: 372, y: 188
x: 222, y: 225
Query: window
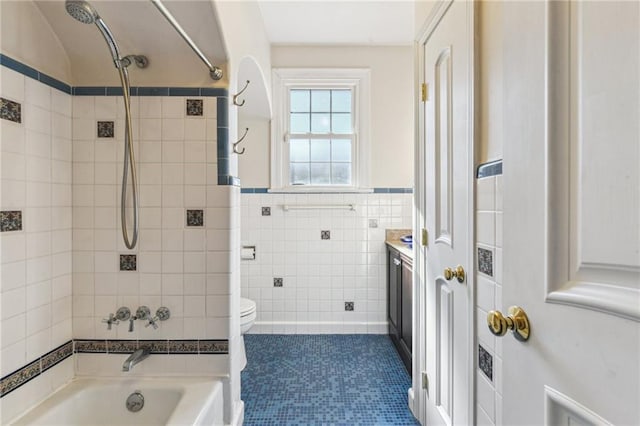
x: 320, y: 132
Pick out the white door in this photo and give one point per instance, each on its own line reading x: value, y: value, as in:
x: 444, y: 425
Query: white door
x: 448, y: 216
x: 572, y: 212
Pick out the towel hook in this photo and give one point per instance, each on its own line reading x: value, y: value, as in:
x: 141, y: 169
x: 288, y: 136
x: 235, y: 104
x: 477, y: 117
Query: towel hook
x: 235, y: 97
x: 235, y: 149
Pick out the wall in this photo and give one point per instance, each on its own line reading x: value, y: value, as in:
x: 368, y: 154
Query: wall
x: 319, y: 276
x: 36, y: 253
x: 391, y: 106
x: 27, y: 37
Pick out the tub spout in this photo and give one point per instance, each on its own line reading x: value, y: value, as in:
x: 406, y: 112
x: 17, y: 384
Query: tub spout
x: 135, y: 358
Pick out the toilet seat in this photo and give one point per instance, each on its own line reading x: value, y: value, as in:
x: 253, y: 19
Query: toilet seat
x: 247, y: 307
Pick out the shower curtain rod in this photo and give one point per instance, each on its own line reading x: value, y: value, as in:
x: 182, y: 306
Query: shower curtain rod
x: 214, y: 72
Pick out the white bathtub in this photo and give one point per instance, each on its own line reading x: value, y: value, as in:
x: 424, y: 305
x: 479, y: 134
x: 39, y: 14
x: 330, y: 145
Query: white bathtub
x: 102, y: 401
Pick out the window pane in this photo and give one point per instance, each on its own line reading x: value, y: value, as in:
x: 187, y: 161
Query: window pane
x: 341, y: 150
x: 341, y: 173
x: 300, y: 101
x: 341, y: 100
x: 320, y: 123
x: 320, y: 150
x: 299, y: 150
x: 299, y: 123
x: 320, y: 173
x: 341, y: 123
x: 299, y: 174
x: 321, y: 100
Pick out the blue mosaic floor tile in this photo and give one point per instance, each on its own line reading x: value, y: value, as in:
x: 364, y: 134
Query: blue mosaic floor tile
x: 324, y: 380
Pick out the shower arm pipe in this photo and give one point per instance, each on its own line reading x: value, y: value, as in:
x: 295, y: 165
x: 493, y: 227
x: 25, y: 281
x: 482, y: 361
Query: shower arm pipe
x: 214, y: 72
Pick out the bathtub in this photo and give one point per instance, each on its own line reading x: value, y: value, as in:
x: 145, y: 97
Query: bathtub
x: 102, y: 401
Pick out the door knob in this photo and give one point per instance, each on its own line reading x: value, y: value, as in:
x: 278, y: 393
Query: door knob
x: 457, y: 272
x: 517, y: 322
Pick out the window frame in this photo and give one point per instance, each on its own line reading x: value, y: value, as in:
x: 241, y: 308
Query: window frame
x: 286, y: 79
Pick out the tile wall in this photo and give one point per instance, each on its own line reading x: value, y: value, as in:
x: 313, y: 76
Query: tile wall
x: 319, y: 271
x: 182, y: 258
x: 489, y: 296
x: 36, y: 235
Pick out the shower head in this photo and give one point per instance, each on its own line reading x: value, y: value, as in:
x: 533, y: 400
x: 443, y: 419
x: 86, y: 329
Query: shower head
x: 81, y: 11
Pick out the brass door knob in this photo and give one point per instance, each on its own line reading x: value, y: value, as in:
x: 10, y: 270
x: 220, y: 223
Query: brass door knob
x: 457, y: 272
x: 517, y: 322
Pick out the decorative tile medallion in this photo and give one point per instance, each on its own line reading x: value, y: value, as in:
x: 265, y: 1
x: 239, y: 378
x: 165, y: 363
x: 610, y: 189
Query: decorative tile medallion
x: 121, y: 346
x: 485, y: 261
x: 373, y: 223
x: 155, y: 346
x: 325, y: 235
x: 195, y: 217
x: 55, y: 356
x: 348, y: 306
x: 183, y: 346
x: 10, y: 110
x: 10, y: 220
x: 277, y: 282
x: 213, y: 346
x: 90, y: 346
x: 195, y: 107
x: 266, y: 211
x: 128, y: 262
x: 485, y: 362
x: 106, y: 129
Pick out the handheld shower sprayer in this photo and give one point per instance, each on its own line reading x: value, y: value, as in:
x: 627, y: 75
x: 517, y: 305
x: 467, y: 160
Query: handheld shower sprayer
x: 85, y: 13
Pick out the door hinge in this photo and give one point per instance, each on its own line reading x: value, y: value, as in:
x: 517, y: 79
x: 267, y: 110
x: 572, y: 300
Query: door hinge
x: 425, y: 237
x: 425, y: 92
x: 425, y: 381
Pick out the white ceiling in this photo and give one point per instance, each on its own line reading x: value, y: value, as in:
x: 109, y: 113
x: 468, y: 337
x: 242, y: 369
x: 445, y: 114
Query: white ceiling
x: 339, y: 22
x: 139, y: 28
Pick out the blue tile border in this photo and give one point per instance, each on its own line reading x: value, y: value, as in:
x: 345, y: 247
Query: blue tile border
x: 33, y: 73
x: 492, y: 168
x: 375, y: 191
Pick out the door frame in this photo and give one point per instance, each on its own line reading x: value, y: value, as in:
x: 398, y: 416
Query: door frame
x: 417, y: 394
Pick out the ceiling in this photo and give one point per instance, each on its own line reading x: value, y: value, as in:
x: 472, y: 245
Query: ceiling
x: 339, y: 22
x: 170, y: 58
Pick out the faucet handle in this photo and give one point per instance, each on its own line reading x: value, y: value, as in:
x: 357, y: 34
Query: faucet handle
x: 110, y: 320
x: 162, y: 314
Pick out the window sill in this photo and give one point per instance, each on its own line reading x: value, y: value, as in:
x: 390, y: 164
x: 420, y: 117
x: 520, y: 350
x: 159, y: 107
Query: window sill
x: 320, y: 190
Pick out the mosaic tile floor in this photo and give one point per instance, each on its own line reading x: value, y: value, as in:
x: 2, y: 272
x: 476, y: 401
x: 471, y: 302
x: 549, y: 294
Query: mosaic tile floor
x: 324, y: 380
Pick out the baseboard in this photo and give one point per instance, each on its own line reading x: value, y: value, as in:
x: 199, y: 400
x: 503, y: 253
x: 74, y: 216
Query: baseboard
x: 284, y: 327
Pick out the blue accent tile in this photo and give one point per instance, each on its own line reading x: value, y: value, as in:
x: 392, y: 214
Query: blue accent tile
x: 223, y: 147
x: 260, y: 190
x: 213, y: 91
x: 19, y: 67
x: 380, y: 190
x: 114, y: 91
x: 224, y: 180
x: 223, y: 111
x: 313, y: 380
x: 247, y: 191
x: 153, y: 91
x: 89, y: 91
x: 184, y: 91
x: 55, y: 83
x: 492, y: 168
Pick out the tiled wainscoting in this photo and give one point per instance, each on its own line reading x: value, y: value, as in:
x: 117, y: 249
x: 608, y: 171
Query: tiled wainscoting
x: 320, y: 270
x: 489, y: 292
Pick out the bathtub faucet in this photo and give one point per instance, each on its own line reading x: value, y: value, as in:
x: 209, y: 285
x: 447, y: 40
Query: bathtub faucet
x: 135, y: 358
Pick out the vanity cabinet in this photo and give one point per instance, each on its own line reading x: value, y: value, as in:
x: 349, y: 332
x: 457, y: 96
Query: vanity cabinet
x: 400, y: 302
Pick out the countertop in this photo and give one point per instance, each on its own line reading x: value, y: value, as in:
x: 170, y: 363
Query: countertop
x: 392, y: 239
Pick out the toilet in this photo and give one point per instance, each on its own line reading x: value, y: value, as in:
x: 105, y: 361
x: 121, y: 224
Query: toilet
x: 247, y: 318
x: 247, y: 314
